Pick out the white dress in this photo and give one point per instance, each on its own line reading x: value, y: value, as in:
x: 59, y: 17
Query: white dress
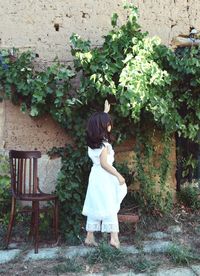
x: 104, y: 193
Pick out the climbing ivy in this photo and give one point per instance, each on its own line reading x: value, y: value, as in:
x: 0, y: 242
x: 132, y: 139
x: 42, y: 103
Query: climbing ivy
x: 5, y: 191
x: 143, y: 76
x: 153, y: 170
x: 143, y: 80
x: 38, y: 92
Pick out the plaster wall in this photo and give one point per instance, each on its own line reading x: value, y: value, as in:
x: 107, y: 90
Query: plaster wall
x: 45, y: 27
x: 31, y: 23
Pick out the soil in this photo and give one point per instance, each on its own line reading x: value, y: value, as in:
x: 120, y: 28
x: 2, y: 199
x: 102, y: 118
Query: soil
x: 188, y: 221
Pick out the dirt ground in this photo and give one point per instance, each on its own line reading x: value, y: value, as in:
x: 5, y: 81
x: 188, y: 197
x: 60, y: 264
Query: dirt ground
x: 188, y: 237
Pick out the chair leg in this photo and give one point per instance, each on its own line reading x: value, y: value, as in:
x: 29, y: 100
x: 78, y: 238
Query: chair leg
x: 56, y: 220
x: 36, y: 225
x: 10, y: 225
x: 31, y: 231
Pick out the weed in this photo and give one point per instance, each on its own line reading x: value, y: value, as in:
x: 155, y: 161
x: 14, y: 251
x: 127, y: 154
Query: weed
x: 141, y: 264
x: 138, y: 238
x: 144, y: 265
x: 106, y: 255
x: 68, y: 266
x: 181, y: 254
x: 189, y: 196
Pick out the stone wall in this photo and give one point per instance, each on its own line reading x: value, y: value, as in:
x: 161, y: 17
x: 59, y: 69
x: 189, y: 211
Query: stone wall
x: 125, y: 152
x: 45, y: 26
x: 20, y: 132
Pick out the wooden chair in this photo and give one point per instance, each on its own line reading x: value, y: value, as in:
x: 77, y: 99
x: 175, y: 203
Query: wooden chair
x: 25, y: 187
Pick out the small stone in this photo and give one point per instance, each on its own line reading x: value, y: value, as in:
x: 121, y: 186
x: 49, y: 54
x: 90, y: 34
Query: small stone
x: 43, y: 253
x: 158, y: 235
x: 12, y: 245
x: 73, y: 251
x: 197, y: 229
x: 130, y: 273
x: 129, y: 249
x: 156, y: 246
x: 174, y: 229
x: 8, y: 255
x: 176, y: 272
x: 196, y: 269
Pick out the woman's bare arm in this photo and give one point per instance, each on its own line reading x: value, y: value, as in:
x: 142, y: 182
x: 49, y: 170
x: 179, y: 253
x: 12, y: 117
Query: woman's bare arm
x: 108, y: 167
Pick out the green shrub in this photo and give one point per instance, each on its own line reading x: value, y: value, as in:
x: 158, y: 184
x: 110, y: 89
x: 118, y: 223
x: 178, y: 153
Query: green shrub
x: 190, y: 197
x: 5, y: 189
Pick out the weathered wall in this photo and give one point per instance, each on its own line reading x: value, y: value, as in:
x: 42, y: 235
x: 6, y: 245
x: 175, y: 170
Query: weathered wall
x: 22, y: 132
x: 31, y: 24
x: 126, y: 152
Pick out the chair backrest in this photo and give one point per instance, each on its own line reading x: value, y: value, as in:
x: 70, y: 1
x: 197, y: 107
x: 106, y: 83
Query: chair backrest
x: 24, y: 174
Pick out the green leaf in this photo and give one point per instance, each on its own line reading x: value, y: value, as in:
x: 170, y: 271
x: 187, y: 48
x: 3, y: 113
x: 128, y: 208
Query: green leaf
x: 114, y: 19
x: 34, y: 111
x: 23, y: 107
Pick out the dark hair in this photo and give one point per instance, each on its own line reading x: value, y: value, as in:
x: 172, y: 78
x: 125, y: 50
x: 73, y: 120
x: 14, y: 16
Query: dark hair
x: 97, y: 130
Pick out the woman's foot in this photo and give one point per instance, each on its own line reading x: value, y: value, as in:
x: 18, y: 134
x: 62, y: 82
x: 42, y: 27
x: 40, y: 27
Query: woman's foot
x: 115, y: 244
x: 90, y: 242
x: 90, y: 239
x: 114, y: 240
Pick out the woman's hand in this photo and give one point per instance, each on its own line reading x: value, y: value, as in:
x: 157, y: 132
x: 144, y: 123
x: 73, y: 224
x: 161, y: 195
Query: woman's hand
x: 106, y: 106
x: 121, y: 179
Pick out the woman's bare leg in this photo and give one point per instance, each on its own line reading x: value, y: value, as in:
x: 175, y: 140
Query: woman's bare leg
x: 90, y: 240
x: 114, y: 239
x: 91, y: 226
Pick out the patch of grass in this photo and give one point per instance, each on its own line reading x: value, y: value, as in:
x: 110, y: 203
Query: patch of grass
x: 106, y: 255
x: 138, y: 239
x: 2, y: 243
x: 144, y: 265
x: 181, y: 254
x: 189, y: 196
x: 67, y: 266
x: 141, y: 264
x: 3, y: 271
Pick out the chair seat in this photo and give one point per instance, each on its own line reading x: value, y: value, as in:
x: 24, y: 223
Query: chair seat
x: 36, y: 197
